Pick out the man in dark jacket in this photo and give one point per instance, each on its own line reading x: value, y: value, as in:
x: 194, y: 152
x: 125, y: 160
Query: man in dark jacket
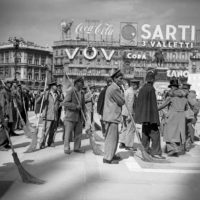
x: 100, y: 104
x: 147, y: 114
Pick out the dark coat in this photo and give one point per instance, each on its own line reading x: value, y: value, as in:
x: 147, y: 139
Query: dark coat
x: 146, y: 106
x: 6, y: 102
x: 100, y: 102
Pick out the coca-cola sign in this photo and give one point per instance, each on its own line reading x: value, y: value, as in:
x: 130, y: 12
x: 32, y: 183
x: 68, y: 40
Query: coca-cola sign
x: 100, y: 29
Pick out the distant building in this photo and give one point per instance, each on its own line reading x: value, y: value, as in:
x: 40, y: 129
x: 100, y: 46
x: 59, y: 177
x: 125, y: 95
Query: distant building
x: 29, y: 62
x: 96, y: 60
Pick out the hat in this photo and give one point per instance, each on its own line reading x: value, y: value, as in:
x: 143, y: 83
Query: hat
x: 52, y: 83
x: 150, y: 75
x: 135, y: 81
x: 186, y: 86
x: 173, y: 82
x: 8, y: 80
x: 116, y: 74
x: 78, y: 79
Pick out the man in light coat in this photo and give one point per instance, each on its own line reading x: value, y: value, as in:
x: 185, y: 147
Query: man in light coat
x: 74, y: 106
x: 112, y: 115
x: 128, y: 131
x: 50, y: 115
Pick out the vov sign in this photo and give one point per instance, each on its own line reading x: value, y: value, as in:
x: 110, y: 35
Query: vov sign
x: 107, y: 54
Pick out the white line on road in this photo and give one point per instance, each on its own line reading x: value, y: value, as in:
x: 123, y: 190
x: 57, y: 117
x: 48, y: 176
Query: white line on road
x: 133, y: 166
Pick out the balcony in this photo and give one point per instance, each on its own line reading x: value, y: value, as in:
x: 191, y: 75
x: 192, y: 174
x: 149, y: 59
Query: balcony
x: 194, y: 57
x: 86, y: 74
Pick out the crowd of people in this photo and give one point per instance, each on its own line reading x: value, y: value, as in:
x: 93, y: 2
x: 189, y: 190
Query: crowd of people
x: 120, y: 104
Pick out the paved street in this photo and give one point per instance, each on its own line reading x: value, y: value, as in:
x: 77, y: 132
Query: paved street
x: 85, y: 177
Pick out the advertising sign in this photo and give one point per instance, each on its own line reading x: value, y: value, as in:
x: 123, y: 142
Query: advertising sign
x: 128, y: 33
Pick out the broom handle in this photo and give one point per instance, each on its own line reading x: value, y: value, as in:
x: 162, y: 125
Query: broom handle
x: 22, y: 120
x: 24, y: 107
x: 45, y: 86
x: 134, y: 124
x: 77, y: 99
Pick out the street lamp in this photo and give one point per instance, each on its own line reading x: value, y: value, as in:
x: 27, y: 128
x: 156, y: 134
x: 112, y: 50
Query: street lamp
x: 16, y: 42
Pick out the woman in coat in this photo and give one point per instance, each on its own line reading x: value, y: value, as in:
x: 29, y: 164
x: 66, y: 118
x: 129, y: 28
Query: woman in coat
x: 174, y: 129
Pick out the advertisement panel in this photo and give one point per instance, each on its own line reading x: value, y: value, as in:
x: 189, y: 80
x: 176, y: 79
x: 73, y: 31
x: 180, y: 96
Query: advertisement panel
x: 128, y: 33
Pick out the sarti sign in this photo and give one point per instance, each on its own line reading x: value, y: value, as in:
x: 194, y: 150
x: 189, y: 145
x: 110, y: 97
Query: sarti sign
x: 169, y: 36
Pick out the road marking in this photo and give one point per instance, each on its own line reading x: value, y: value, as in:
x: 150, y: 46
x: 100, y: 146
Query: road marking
x: 133, y: 166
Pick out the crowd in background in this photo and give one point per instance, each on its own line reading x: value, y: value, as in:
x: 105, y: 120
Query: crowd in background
x: 172, y: 114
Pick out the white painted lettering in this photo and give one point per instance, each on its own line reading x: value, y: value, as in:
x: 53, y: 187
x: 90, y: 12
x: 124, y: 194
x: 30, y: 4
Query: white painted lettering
x: 145, y: 28
x: 170, y: 32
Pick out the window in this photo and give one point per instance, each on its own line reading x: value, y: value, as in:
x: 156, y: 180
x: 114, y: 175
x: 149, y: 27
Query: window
x: 61, y: 52
x: 1, y: 58
x: 36, y: 77
x: 43, y: 61
x: 36, y: 61
x: 56, y: 53
x: 29, y: 76
x: 81, y: 52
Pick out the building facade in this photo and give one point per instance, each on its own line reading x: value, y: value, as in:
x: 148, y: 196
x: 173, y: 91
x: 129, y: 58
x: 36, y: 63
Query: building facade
x: 97, y: 60
x: 28, y: 63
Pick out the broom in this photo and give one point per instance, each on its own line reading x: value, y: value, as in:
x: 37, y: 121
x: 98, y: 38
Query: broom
x: 146, y: 157
x: 26, y: 127
x: 28, y: 124
x: 26, y: 177
x: 32, y: 147
x: 95, y: 147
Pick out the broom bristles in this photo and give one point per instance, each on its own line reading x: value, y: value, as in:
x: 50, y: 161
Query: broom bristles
x: 33, y: 145
x: 26, y: 177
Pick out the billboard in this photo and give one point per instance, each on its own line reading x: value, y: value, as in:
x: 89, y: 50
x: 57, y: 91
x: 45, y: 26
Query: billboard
x: 128, y: 33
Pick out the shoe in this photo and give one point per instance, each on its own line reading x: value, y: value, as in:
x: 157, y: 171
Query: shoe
x: 158, y: 157
x: 110, y: 161
x: 115, y: 157
x: 175, y: 154
x: 7, y: 146
x: 3, y: 149
x: 67, y: 151
x: 130, y: 149
x: 51, y: 145
x: 122, y: 146
x: 13, y: 134
x: 79, y: 151
x: 42, y: 146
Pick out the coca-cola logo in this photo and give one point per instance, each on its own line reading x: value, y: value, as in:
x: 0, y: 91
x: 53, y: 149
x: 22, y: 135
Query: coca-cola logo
x: 99, y: 29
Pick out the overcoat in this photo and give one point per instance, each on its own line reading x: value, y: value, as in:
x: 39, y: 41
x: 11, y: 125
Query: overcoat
x: 50, y: 109
x: 100, y: 102
x: 174, y: 128
x: 114, y: 100
x: 6, y: 102
x: 146, y: 109
x: 70, y: 104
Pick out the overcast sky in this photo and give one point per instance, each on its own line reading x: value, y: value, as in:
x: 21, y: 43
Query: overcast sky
x: 39, y: 20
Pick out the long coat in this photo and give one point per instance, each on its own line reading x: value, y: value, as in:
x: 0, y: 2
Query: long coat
x: 146, y: 109
x: 70, y: 104
x: 114, y: 100
x: 174, y: 128
x: 129, y: 95
x: 100, y: 102
x: 6, y: 102
x: 50, y: 107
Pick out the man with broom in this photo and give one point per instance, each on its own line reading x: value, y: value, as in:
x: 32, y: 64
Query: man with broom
x: 112, y: 113
x: 50, y: 115
x: 146, y: 113
x: 74, y: 106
